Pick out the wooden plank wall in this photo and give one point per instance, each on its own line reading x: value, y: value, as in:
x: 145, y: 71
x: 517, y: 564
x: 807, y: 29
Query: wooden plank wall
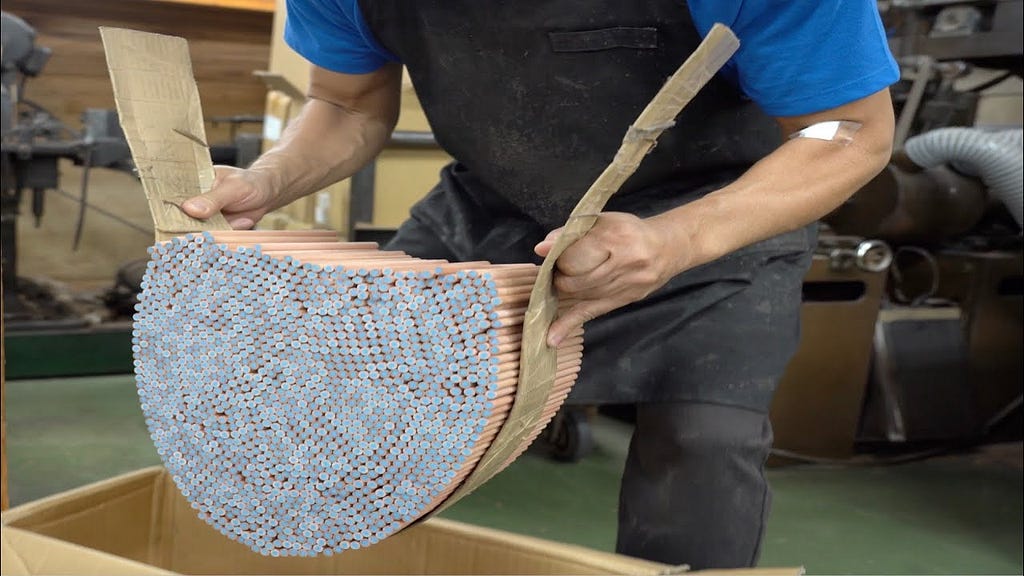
x: 227, y: 46
x: 260, y: 5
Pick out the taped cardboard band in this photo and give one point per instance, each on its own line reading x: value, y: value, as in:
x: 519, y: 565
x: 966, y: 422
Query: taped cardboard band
x: 647, y: 133
x: 537, y: 359
x: 159, y: 110
x: 841, y: 131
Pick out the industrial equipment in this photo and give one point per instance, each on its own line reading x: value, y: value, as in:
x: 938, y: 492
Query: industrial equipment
x: 948, y: 342
x: 33, y: 142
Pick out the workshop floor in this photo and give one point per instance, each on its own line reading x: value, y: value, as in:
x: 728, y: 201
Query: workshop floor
x: 952, y: 515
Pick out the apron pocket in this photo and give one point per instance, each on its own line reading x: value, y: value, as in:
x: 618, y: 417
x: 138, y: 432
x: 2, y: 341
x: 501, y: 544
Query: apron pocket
x: 604, y: 39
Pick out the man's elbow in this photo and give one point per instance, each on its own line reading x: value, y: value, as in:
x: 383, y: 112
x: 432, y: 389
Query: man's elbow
x: 880, y: 149
x: 878, y: 132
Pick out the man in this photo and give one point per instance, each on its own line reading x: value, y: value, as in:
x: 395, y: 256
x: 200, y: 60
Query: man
x: 690, y: 282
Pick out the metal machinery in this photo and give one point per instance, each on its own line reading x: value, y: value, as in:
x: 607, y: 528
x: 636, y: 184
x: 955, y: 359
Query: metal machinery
x: 934, y: 354
x: 33, y: 142
x: 43, y: 336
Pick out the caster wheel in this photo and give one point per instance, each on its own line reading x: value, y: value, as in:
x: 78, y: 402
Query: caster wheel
x: 569, y: 437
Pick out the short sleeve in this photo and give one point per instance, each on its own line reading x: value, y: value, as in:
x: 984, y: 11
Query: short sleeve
x: 333, y: 35
x: 803, y: 57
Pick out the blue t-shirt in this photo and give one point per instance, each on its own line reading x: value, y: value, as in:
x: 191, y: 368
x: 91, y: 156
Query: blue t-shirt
x: 795, y: 57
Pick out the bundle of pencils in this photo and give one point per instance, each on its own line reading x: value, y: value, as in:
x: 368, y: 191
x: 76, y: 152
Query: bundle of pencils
x: 311, y: 396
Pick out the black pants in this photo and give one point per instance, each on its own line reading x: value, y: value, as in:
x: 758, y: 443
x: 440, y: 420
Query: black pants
x: 694, y: 491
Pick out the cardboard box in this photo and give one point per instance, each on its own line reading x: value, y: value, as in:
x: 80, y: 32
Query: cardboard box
x: 817, y: 408
x: 138, y: 523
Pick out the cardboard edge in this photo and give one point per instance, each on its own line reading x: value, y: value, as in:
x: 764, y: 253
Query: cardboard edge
x: 53, y: 556
x: 160, y: 521
x: 100, y: 489
x: 169, y: 56
x: 595, y: 559
x: 798, y: 571
x: 159, y: 480
x: 11, y: 561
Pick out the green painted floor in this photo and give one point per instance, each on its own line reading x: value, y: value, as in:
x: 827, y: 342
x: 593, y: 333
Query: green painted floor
x: 953, y: 515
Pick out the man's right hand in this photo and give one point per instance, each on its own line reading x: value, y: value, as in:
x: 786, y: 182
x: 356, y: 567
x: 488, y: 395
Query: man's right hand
x: 242, y: 196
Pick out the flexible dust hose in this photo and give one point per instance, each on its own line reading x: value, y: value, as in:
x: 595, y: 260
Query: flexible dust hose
x: 995, y: 157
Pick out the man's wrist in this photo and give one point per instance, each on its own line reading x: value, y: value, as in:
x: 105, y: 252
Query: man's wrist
x: 687, y: 243
x: 282, y: 177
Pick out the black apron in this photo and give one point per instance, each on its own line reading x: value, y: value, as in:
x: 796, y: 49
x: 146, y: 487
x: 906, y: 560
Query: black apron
x: 533, y: 99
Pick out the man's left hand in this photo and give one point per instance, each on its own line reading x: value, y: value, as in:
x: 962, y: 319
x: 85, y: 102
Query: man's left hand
x: 621, y: 260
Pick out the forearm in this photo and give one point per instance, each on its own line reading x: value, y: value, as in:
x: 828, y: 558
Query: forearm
x: 799, y: 183
x: 345, y: 123
x: 325, y: 144
x: 802, y: 181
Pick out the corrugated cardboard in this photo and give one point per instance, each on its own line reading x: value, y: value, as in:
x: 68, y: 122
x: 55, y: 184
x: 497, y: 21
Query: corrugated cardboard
x: 159, y: 110
x: 139, y: 523
x: 23, y: 552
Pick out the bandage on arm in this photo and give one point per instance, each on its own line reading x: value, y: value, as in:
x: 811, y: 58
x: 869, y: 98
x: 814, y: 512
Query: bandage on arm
x: 841, y: 131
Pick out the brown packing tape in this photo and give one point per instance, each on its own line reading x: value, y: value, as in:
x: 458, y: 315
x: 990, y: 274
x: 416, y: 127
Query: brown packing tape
x: 159, y: 110
x: 538, y: 361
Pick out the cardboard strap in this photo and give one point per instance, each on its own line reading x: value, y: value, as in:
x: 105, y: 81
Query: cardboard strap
x: 162, y: 118
x: 537, y: 361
